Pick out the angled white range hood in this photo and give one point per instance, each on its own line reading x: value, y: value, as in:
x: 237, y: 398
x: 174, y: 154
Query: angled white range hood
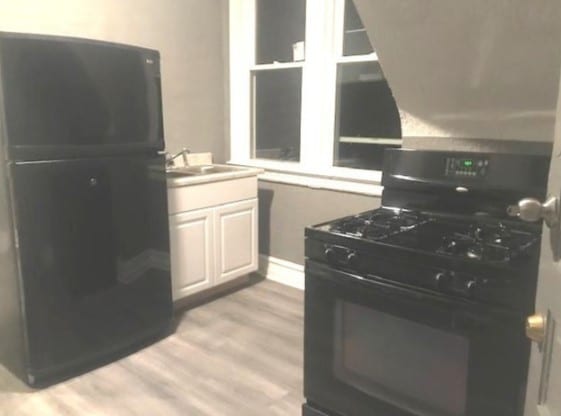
x: 470, y: 68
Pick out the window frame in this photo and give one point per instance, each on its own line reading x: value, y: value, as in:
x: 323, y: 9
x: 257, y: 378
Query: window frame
x: 323, y: 55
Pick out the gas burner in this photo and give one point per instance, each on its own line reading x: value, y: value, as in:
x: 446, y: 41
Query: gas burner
x: 475, y: 252
x: 464, y: 246
x: 378, y: 225
x: 491, y: 243
x: 490, y: 234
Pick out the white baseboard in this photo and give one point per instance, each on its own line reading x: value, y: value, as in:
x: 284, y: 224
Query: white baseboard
x: 282, y: 271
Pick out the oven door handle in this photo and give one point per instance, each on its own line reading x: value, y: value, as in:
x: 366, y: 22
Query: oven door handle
x: 469, y: 313
x: 374, y: 282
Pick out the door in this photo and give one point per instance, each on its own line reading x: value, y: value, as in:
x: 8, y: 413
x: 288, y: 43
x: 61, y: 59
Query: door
x: 544, y: 379
x: 460, y: 358
x: 236, y: 240
x: 192, y: 251
x: 94, y: 258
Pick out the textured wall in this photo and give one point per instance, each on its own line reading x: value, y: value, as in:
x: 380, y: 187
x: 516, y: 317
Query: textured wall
x: 477, y: 68
x: 478, y: 145
x: 189, y: 35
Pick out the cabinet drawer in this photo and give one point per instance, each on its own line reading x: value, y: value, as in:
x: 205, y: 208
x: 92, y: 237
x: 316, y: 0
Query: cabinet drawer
x: 188, y: 198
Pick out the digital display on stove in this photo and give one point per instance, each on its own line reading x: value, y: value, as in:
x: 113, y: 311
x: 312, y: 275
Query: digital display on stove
x: 466, y: 167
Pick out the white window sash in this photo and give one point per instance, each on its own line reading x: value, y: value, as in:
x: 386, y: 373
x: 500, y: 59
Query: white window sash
x: 324, y: 50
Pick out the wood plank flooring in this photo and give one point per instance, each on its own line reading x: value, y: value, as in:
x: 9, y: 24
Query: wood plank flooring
x: 238, y: 355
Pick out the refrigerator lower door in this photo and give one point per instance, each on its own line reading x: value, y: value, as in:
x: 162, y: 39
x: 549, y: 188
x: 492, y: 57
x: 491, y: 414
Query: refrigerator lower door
x: 94, y: 256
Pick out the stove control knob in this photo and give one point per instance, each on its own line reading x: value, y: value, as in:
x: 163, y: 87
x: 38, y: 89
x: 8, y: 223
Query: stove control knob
x: 442, y: 279
x: 471, y: 286
x: 352, y: 258
x: 329, y: 254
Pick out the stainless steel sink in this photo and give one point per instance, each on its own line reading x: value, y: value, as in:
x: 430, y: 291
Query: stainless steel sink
x: 176, y: 173
x: 206, y: 170
x: 196, y: 175
x: 199, y: 170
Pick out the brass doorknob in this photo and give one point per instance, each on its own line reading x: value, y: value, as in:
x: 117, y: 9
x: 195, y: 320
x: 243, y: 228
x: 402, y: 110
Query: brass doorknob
x: 536, y: 326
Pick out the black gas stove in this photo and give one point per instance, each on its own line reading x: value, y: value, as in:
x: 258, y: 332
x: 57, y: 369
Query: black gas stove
x: 439, y: 275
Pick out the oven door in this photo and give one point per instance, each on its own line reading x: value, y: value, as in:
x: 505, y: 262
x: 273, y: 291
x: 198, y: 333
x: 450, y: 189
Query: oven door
x: 375, y: 348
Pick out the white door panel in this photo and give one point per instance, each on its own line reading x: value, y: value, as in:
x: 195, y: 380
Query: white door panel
x: 544, y: 380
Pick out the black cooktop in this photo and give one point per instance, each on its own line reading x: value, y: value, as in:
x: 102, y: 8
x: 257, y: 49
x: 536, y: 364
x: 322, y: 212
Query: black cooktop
x: 470, y: 239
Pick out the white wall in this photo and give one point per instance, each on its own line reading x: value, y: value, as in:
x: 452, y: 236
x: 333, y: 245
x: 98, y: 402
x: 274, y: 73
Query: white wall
x: 188, y: 33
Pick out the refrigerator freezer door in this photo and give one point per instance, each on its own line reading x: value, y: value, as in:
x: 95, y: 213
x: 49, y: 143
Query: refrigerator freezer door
x: 70, y: 98
x: 94, y: 252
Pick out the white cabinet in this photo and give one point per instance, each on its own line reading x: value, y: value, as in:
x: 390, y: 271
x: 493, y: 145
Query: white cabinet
x: 211, y: 242
x: 236, y: 239
x: 192, y: 251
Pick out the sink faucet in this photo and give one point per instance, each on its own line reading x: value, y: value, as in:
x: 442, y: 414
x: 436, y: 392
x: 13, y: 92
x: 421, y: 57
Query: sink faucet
x: 170, y: 158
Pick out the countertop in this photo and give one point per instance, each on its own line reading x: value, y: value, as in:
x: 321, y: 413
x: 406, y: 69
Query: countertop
x: 234, y: 172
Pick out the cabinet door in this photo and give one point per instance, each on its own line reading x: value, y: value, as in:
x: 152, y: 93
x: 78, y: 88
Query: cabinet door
x: 192, y: 247
x: 236, y: 240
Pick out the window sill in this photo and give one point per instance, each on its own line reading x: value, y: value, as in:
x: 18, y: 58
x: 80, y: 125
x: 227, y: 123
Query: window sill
x: 322, y: 183
x: 340, y: 179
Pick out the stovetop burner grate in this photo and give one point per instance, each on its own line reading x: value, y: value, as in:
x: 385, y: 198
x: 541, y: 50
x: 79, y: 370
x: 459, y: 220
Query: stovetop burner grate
x: 470, y: 240
x: 487, y: 243
x: 379, y: 224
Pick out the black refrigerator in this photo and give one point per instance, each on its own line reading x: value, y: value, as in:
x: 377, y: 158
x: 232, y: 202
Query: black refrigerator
x: 84, y: 240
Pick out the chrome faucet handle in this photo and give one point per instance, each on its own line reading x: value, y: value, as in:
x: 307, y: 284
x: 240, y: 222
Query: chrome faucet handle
x: 170, y: 158
x: 532, y: 210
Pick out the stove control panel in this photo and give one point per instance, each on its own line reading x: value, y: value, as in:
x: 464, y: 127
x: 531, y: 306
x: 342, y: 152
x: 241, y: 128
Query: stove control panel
x: 466, y: 167
x: 480, y: 283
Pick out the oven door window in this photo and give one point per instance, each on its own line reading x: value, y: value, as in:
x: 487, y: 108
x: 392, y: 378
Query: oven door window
x: 373, y: 353
x: 375, y: 348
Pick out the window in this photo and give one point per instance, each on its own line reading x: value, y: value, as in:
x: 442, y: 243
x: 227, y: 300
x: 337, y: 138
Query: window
x: 308, y: 95
x: 277, y: 96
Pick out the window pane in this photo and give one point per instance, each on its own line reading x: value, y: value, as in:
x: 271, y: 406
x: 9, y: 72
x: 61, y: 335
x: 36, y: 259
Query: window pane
x: 355, y: 38
x: 367, y: 119
x: 280, y: 25
x: 277, y: 111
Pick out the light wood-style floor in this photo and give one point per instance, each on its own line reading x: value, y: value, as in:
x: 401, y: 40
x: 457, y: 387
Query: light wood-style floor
x: 238, y: 355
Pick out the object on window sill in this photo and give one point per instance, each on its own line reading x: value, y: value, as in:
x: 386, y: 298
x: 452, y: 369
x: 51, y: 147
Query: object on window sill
x: 299, y: 51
